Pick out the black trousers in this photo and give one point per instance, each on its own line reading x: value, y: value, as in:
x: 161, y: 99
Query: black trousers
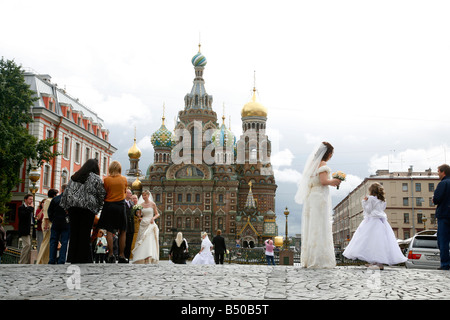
x: 218, y: 257
x: 81, y: 222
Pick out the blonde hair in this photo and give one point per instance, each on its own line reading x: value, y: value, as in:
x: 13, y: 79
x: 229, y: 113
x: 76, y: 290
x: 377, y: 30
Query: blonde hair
x: 377, y: 190
x: 115, y: 169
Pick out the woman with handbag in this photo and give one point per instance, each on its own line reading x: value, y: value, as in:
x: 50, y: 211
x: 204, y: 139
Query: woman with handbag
x: 179, y: 251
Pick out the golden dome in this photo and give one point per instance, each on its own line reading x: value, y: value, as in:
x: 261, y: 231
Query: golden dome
x: 136, y: 185
x: 134, y: 152
x: 253, y: 108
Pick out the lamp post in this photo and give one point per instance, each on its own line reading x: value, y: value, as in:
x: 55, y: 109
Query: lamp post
x: 34, y: 176
x: 286, y: 240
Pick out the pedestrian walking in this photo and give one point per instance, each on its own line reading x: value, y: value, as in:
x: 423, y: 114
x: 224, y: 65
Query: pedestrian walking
x: 44, y: 251
x: 441, y: 198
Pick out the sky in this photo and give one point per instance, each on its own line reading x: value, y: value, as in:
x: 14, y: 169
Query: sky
x: 370, y: 77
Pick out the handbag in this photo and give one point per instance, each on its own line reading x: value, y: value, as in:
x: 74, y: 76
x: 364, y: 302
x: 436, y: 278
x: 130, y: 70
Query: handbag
x: 186, y: 255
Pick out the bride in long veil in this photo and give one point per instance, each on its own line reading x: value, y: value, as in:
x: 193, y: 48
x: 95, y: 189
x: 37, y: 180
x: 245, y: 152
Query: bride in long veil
x: 317, y: 249
x: 146, y: 249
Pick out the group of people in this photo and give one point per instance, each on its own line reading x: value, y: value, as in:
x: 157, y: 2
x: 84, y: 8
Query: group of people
x: 374, y: 240
x: 70, y: 221
x: 67, y: 220
x: 179, y: 252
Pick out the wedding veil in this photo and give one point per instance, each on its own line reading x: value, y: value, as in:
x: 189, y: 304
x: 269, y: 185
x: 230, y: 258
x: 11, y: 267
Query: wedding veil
x: 150, y: 197
x: 311, y: 166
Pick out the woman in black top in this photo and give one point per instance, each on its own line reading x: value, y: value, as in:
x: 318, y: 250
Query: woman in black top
x: 179, y: 250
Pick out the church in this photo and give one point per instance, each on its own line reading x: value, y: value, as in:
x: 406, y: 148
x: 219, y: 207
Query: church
x: 203, y: 179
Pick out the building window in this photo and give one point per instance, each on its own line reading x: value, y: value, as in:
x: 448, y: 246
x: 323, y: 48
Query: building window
x: 64, y: 176
x: 49, y: 134
x: 188, y: 223
x: 77, y: 152
x: 405, y: 202
x: 51, y: 106
x: 66, y: 147
x: 430, y: 202
x: 46, y: 178
x: 404, y: 187
x: 179, y: 223
x: 188, y: 197
x: 406, y: 218
x: 87, y: 154
x: 418, y: 187
x: 97, y: 156
x: 431, y: 187
x: 180, y: 197
x: 419, y: 218
x: 221, y: 198
x: 104, y: 164
x: 197, y: 223
x: 158, y: 197
x: 220, y: 224
x: 197, y: 198
x: 406, y: 234
x: 419, y: 201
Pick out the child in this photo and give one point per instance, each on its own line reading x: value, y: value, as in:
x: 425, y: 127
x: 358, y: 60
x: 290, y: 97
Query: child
x: 100, y: 245
x: 374, y: 241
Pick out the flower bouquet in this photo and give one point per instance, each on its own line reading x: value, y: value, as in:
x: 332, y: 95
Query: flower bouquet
x: 339, y: 175
x: 137, y: 207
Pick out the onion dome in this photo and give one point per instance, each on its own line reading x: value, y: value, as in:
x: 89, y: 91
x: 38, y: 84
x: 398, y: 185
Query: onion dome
x: 199, y: 59
x: 253, y: 108
x: 134, y: 152
x: 137, y: 184
x: 162, y: 137
x: 223, y: 137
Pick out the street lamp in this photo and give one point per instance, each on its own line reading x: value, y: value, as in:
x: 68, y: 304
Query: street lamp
x: 424, y: 220
x: 34, y: 176
x: 286, y: 241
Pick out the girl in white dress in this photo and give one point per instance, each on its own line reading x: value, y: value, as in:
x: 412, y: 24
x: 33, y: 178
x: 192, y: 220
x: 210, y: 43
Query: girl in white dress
x: 317, y: 248
x: 374, y: 241
x: 146, y: 249
x: 204, y: 256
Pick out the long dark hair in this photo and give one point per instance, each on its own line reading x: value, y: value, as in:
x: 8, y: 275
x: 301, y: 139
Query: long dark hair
x: 82, y: 174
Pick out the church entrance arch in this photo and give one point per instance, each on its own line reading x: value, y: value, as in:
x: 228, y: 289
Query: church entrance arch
x: 248, y: 242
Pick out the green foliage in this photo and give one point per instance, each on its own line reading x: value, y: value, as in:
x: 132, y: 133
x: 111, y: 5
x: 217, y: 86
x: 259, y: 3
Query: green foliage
x: 16, y: 144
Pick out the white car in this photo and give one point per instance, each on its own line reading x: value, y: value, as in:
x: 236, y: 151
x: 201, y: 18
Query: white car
x: 423, y: 251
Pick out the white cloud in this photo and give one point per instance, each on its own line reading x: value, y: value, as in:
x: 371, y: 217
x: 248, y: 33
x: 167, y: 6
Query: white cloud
x: 420, y: 158
x: 282, y: 158
x: 287, y: 175
x: 145, y: 144
x: 350, y: 183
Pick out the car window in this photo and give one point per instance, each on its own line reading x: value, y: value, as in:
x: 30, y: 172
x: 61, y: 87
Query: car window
x: 425, y: 242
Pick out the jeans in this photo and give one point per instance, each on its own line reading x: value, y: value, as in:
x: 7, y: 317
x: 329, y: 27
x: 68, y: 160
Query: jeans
x: 443, y: 237
x: 59, y: 234
x: 270, y: 260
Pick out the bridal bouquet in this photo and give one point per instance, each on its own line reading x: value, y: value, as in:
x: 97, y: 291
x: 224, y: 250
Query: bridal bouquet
x: 137, y: 207
x: 339, y: 175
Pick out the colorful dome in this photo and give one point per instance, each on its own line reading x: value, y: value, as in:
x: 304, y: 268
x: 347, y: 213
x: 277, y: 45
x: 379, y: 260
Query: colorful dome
x: 253, y: 108
x: 223, y: 137
x: 162, y: 138
x: 199, y: 60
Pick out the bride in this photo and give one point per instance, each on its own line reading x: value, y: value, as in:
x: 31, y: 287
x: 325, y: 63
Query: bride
x: 317, y: 249
x: 146, y: 249
x: 204, y: 256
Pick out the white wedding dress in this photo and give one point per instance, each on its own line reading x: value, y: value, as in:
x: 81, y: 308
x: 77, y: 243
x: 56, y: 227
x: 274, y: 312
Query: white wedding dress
x: 317, y: 248
x: 147, y: 240
x: 204, y: 257
x: 374, y: 241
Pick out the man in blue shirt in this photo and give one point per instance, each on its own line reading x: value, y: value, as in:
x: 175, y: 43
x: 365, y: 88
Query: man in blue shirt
x: 442, y: 199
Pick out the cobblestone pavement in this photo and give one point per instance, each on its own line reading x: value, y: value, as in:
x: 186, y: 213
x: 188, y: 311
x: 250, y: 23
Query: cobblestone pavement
x: 218, y: 282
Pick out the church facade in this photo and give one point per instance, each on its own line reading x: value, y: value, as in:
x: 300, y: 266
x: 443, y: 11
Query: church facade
x: 203, y: 179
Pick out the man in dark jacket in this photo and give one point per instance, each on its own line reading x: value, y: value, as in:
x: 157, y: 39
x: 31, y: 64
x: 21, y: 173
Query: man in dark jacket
x: 26, y: 211
x: 60, y: 231
x: 441, y: 198
x: 219, y: 247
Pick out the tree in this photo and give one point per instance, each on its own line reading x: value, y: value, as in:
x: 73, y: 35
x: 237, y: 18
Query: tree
x: 16, y: 144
